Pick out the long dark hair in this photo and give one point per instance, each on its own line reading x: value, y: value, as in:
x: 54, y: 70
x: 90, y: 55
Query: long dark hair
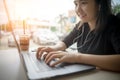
x: 104, y: 12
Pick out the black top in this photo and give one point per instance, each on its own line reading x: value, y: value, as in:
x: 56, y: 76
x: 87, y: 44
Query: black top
x: 105, y: 43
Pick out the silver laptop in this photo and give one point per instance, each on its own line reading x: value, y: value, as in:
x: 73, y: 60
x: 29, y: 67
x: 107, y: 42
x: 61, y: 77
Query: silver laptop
x: 37, y: 69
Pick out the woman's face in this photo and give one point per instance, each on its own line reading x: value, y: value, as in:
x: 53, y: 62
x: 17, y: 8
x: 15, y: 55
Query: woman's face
x: 86, y: 10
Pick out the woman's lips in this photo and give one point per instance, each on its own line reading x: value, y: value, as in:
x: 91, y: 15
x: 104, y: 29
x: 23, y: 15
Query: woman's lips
x: 82, y: 16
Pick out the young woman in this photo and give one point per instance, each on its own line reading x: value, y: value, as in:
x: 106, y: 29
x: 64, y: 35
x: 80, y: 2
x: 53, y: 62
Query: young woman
x: 97, y: 36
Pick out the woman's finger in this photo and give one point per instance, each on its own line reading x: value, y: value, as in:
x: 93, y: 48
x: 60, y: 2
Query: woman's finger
x: 44, y: 55
x: 53, y: 57
x: 56, y: 62
x: 50, y: 54
x: 38, y: 51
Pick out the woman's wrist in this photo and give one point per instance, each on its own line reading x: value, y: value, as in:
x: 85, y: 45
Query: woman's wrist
x: 82, y: 58
x: 59, y: 46
x: 78, y: 58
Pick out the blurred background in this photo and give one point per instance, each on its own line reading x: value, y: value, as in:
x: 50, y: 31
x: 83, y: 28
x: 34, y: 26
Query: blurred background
x: 46, y: 21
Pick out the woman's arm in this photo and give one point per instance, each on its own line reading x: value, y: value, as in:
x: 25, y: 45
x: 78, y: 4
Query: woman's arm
x: 60, y: 46
x: 107, y: 62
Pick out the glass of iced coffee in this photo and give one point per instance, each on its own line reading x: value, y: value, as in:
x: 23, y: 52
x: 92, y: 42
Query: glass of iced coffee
x: 24, y: 42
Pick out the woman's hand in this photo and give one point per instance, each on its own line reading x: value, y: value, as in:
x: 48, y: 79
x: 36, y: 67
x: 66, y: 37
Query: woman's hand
x: 61, y: 56
x: 41, y: 50
x: 59, y: 46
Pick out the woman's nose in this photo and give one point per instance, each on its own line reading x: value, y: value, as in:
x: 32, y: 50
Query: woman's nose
x: 78, y: 9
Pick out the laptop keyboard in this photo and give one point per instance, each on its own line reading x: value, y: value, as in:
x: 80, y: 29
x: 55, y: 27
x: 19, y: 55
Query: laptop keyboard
x: 40, y: 65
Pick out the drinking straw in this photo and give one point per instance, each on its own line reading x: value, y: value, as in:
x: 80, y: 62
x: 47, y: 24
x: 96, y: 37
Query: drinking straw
x: 24, y: 26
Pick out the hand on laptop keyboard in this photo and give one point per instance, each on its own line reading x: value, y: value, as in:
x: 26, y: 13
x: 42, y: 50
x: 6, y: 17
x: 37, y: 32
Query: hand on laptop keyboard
x: 51, y: 62
x: 43, y: 57
x: 41, y: 50
x: 48, y: 54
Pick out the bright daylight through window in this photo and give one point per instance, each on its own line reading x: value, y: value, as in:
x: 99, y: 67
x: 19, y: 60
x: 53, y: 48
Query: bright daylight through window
x: 37, y: 17
x: 40, y: 18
